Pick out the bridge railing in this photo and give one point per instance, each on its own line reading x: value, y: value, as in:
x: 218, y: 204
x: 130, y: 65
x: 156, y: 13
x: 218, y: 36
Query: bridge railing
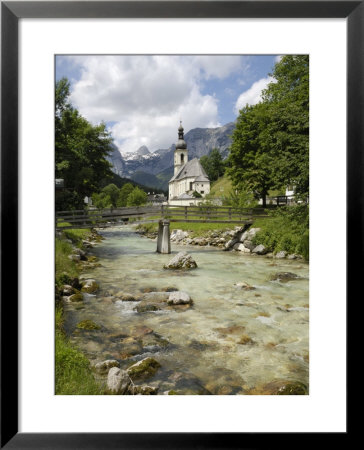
x: 208, y: 213
x: 201, y: 213
x: 103, y: 217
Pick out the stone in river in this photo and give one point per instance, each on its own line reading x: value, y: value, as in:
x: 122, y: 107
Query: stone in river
x: 105, y: 366
x: 143, y: 369
x: 89, y: 286
x: 125, y: 297
x: 181, y: 261
x: 76, y: 297
x: 88, y: 325
x: 179, y: 298
x: 245, y: 286
x: 245, y: 339
x: 143, y: 390
x: 283, y: 277
x: 281, y: 255
x: 260, y: 250
x: 118, y: 381
x: 146, y: 307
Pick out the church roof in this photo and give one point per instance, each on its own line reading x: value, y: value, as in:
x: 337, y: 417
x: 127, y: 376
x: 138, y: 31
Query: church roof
x: 191, y: 169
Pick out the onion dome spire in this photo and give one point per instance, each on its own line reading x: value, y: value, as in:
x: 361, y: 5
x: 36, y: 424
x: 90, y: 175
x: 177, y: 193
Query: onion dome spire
x: 181, y: 143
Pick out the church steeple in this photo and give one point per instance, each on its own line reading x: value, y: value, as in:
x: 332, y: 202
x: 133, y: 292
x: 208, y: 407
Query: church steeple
x: 181, y: 152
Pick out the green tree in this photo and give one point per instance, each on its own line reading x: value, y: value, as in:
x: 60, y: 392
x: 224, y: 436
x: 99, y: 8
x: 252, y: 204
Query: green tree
x: 287, y: 133
x: 251, y: 163
x: 112, y: 192
x: 213, y: 164
x: 137, y: 197
x: 80, y: 148
x: 123, y: 194
x: 270, y: 145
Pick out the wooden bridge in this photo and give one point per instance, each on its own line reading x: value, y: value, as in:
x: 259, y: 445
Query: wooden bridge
x: 162, y: 214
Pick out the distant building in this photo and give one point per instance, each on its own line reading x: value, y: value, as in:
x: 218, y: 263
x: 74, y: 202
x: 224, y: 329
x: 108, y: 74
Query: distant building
x: 189, y: 176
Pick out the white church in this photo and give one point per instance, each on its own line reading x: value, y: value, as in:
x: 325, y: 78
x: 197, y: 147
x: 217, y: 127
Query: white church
x: 189, y: 176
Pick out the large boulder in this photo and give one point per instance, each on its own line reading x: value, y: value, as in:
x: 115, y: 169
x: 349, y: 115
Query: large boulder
x: 178, y: 235
x: 179, y: 298
x: 181, y: 261
x: 118, y: 381
x: 281, y: 255
x: 143, y: 369
x: 260, y: 250
x: 241, y: 248
x: 251, y: 233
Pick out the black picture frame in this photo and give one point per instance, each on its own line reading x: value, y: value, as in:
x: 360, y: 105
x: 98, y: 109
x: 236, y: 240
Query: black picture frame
x: 11, y: 12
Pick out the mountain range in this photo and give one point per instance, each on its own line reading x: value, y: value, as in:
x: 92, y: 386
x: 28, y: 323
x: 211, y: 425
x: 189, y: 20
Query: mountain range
x: 155, y: 169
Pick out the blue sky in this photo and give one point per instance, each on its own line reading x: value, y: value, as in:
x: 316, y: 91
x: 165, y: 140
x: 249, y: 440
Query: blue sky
x: 141, y: 98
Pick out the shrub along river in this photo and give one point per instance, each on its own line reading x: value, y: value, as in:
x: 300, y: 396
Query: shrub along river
x: 234, y: 339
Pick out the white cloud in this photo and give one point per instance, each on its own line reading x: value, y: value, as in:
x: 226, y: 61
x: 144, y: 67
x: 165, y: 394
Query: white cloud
x: 147, y: 95
x: 253, y: 95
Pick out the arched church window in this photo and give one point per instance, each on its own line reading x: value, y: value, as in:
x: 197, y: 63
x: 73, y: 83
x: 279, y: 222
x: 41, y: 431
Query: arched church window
x: 182, y: 158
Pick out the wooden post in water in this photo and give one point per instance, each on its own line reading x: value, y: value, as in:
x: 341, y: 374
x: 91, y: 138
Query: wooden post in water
x: 164, y: 238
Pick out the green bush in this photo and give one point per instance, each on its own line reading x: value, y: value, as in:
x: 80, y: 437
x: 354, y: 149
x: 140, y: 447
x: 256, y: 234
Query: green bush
x: 286, y: 229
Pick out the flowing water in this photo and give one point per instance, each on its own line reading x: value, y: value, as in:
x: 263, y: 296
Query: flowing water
x: 198, y: 348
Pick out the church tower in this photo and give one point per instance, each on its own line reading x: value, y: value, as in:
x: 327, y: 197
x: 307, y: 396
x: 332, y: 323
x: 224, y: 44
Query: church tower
x: 181, y: 152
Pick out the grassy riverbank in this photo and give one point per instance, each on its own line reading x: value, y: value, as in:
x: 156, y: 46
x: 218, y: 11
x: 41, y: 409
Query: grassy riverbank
x: 285, y: 229
x: 73, y: 375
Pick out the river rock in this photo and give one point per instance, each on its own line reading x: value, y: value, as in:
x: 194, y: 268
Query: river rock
x: 118, y: 381
x: 281, y: 387
x: 251, y: 233
x: 88, y: 325
x: 178, y: 235
x: 143, y: 369
x: 249, y: 244
x: 260, y: 250
x: 143, y: 390
x: 281, y: 255
x: 181, y: 261
x: 89, y: 286
x: 78, y: 297
x: 146, y: 307
x: 230, y: 244
x: 75, y: 258
x: 156, y: 297
x: 241, y: 247
x: 283, y: 277
x: 125, y: 297
x: 245, y: 286
x: 245, y: 339
x: 179, y: 298
x: 67, y: 289
x: 81, y: 253
x: 105, y: 366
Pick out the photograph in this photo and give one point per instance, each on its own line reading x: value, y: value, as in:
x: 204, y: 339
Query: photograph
x: 181, y: 199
